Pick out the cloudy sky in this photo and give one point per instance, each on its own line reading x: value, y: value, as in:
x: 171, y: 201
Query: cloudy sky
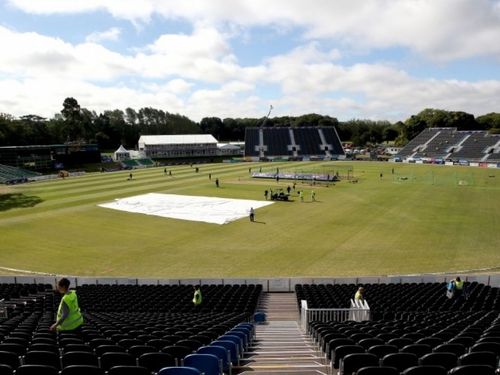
x: 378, y: 59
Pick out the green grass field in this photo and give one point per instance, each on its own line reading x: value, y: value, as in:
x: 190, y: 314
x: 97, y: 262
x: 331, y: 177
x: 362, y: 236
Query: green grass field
x: 421, y: 219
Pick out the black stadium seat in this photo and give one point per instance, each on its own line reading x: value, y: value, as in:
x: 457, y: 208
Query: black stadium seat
x: 479, y: 358
x: 425, y: 370
x: 36, y: 370
x: 378, y: 370
x: 82, y: 370
x: 128, y: 370
x: 353, y: 362
x: 472, y: 370
x: 400, y: 361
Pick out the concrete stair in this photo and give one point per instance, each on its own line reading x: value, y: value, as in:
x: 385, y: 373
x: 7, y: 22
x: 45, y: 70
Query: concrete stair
x: 280, y: 346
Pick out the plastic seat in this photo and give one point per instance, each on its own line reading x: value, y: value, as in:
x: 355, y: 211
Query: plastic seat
x: 192, y: 344
x: 344, y: 350
x: 127, y: 343
x: 378, y: 370
x: 177, y: 352
x: 458, y: 349
x: 463, y: 340
x: 13, y: 348
x: 353, y: 362
x: 368, y: 343
x: 42, y: 358
x: 79, y: 358
x: 109, y: 360
x: 94, y: 343
x: 231, y: 347
x: 479, y: 358
x: 431, y: 341
x: 10, y: 359
x: 401, y: 361
x: 36, y: 370
x: 418, y: 349
x: 82, y: 370
x: 493, y: 347
x: 156, y: 361
x: 103, y: 349
x: 77, y: 348
x: 425, y: 370
x: 220, y: 352
x: 138, y: 350
x: 128, y: 370
x: 382, y: 350
x: 472, y: 370
x: 179, y: 371
x: 446, y: 360
x: 159, y: 343
x: 335, y: 343
x: 44, y: 347
x: 237, y: 340
x: 208, y: 364
x: 400, y: 342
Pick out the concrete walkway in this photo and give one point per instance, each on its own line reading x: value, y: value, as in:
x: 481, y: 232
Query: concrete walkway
x: 280, y: 346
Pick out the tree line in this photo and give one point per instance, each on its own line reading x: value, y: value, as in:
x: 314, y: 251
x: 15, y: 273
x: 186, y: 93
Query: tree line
x: 111, y: 128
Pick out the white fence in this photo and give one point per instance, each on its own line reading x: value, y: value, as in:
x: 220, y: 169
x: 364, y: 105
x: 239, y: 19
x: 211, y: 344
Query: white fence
x: 359, y: 311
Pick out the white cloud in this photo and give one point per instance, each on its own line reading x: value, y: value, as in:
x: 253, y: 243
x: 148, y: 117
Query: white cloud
x: 197, y: 74
x: 112, y: 34
x: 440, y: 30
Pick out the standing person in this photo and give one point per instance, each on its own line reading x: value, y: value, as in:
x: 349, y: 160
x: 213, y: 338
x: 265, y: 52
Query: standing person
x: 217, y: 182
x: 197, y: 170
x: 165, y: 171
x: 392, y: 171
x: 130, y: 176
x: 288, y: 189
x: 210, y: 176
x: 69, y: 317
x: 459, y: 288
x: 170, y: 173
x: 249, y: 170
x: 278, y: 178
x: 197, y: 298
x: 381, y: 175
x: 265, y: 194
x: 360, y: 294
x: 252, y: 214
x: 294, y: 185
x: 313, y: 196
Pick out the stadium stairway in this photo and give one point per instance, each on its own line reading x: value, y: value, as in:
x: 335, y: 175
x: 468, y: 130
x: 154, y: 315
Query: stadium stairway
x: 280, y: 346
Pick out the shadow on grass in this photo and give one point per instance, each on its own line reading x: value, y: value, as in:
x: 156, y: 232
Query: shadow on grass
x: 10, y: 201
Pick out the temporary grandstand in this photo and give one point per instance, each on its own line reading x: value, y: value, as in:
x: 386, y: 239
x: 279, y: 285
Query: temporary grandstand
x: 13, y: 175
x: 304, y: 143
x: 178, y: 146
x: 449, y: 144
x: 148, y: 326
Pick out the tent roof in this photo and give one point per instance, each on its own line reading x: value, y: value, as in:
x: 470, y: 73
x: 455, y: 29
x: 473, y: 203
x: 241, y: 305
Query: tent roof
x: 121, y: 150
x: 177, y: 139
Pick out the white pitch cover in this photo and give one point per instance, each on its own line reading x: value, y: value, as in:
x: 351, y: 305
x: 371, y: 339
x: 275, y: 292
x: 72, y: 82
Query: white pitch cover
x: 186, y: 207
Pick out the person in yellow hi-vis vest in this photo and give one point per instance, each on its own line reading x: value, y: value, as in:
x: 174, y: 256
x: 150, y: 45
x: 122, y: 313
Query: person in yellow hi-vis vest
x: 359, y: 296
x: 197, y: 296
x: 458, y: 292
x: 69, y: 317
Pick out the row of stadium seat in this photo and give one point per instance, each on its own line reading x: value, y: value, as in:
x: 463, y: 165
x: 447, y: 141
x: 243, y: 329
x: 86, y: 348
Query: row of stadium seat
x: 392, y: 300
x: 120, y: 329
x: 446, y: 339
